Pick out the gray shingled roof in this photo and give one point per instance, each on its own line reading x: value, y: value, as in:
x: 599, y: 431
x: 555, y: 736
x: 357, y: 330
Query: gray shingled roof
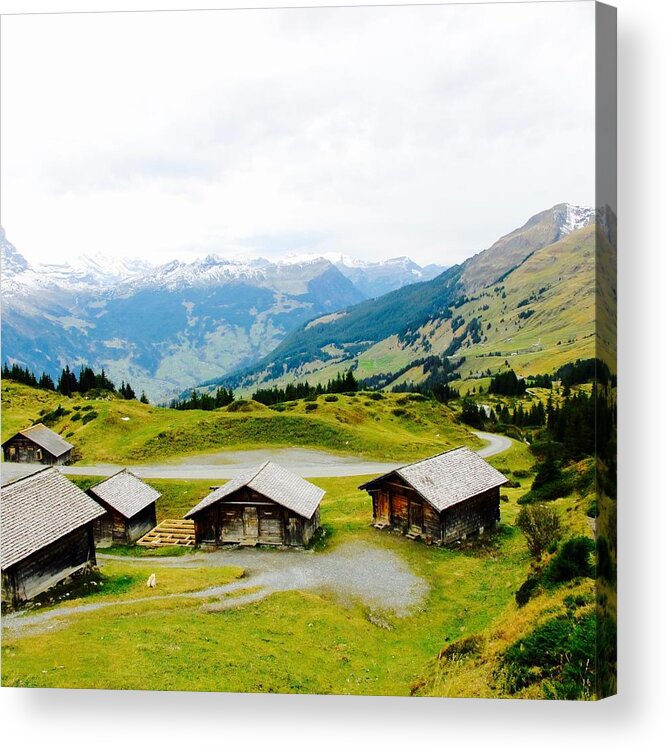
x: 40, y: 509
x: 275, y: 482
x: 449, y: 478
x: 125, y: 492
x: 45, y: 438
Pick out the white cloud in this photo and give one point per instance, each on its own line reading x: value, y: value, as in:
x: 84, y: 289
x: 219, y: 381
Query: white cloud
x: 375, y: 132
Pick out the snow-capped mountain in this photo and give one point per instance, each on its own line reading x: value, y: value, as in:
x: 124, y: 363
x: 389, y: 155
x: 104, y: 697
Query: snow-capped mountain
x: 165, y: 327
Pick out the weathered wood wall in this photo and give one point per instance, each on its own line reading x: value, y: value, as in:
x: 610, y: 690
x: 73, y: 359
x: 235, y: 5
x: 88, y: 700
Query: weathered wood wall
x: 481, y: 512
x: 246, y: 517
x: 20, y: 449
x: 48, y: 566
x: 114, y: 528
x: 398, y: 505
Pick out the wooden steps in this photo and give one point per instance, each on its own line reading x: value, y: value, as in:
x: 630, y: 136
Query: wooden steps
x: 381, y: 525
x: 177, y: 532
x: 414, y: 532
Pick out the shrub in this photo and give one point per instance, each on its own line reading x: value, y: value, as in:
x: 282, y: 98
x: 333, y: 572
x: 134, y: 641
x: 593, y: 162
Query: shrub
x: 88, y: 417
x: 53, y: 416
x: 89, y: 407
x: 310, y: 407
x: 399, y: 412
x: 592, y: 509
x: 527, y: 591
x: 560, y: 655
x: 541, y: 526
x: 572, y: 561
x: 504, y: 498
x: 460, y: 648
x: 375, y: 395
x: 331, y: 398
x: 520, y: 473
x: 76, y: 416
x: 511, y: 484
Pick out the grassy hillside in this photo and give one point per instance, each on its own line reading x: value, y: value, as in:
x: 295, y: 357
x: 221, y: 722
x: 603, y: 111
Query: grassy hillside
x: 308, y: 641
x: 528, y: 303
x: 388, y: 426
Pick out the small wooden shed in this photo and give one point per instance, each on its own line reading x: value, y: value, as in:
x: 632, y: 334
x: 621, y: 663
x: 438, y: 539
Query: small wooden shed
x: 267, y: 505
x: 47, y: 533
x: 37, y: 444
x: 130, y: 508
x: 442, y: 499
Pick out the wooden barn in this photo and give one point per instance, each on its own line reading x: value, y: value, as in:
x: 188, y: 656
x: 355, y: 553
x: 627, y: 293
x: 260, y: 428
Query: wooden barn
x: 441, y: 499
x: 130, y: 508
x: 47, y: 533
x: 267, y: 505
x: 38, y: 445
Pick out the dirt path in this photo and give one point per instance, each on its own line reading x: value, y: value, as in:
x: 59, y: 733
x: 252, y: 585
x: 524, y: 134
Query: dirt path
x: 304, y: 462
x: 496, y: 444
x: 356, y: 571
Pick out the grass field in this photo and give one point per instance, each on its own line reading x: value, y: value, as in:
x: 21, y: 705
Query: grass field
x: 390, y: 426
x: 300, y: 641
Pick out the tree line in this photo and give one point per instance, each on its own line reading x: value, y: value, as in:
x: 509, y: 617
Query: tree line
x: 204, y: 401
x: 69, y: 382
x: 341, y: 383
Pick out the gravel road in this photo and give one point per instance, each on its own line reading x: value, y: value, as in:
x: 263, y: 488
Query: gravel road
x: 304, y: 462
x: 356, y: 571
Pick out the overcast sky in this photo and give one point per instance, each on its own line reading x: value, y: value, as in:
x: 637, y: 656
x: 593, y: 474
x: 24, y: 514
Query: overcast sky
x: 373, y: 132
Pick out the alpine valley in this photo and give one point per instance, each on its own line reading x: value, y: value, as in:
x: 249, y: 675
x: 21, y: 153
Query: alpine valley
x: 536, y: 299
x: 166, y: 328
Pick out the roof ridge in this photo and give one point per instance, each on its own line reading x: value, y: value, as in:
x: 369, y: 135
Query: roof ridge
x: 28, y: 476
x: 257, y: 472
x: 429, y: 458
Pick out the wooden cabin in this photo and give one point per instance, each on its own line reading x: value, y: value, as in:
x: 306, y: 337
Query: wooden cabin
x: 130, y: 508
x: 440, y: 499
x: 37, y: 445
x: 47, y: 533
x: 267, y: 505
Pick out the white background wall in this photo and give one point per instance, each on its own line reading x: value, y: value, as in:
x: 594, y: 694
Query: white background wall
x: 635, y: 719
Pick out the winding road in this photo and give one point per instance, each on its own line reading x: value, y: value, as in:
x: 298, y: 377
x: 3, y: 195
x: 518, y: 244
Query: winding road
x: 228, y: 464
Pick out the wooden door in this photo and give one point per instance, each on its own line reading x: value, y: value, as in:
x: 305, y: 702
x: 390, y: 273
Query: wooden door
x: 416, y: 515
x: 383, y: 507
x: 270, y: 525
x: 231, y: 525
x: 250, y: 522
x: 294, y: 532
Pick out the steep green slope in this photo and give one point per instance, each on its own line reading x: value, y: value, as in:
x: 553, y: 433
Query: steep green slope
x: 528, y: 302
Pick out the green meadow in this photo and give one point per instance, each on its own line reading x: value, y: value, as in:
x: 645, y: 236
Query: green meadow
x: 301, y: 641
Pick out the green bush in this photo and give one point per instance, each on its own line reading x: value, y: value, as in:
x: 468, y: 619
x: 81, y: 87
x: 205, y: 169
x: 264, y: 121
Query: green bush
x: 511, y: 484
x: 53, y: 416
x: 592, y: 509
x: 559, y: 655
x: 462, y: 647
x: 89, y: 407
x: 76, y: 416
x: 541, y: 527
x: 331, y: 398
x: 572, y: 561
x: 527, y: 591
x: 550, y: 491
x: 521, y: 473
x: 89, y: 416
x: 310, y: 407
x: 399, y: 412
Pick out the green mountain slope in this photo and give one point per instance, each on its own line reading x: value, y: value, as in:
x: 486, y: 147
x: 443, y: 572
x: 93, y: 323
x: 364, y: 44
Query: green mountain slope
x: 529, y: 301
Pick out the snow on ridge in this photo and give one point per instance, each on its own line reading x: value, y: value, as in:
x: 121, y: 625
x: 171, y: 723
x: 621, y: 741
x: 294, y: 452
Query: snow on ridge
x: 575, y: 218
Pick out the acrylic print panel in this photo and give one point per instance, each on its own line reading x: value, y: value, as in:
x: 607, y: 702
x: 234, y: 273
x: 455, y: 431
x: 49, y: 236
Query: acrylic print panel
x: 308, y: 341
